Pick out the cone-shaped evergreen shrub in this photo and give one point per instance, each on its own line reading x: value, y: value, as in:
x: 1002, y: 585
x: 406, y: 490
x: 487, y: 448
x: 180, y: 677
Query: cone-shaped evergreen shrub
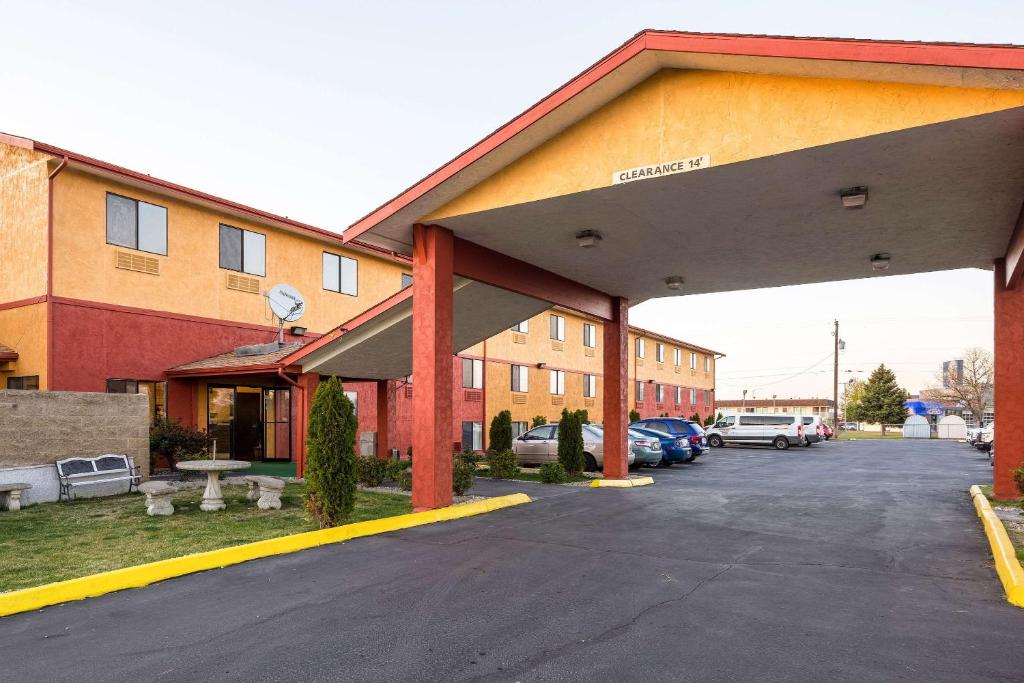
x: 570, y: 442
x: 634, y: 416
x: 537, y: 421
x: 331, y: 466
x: 583, y: 416
x: 500, y: 436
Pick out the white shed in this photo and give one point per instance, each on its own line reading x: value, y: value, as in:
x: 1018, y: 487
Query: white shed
x: 952, y: 427
x: 916, y: 427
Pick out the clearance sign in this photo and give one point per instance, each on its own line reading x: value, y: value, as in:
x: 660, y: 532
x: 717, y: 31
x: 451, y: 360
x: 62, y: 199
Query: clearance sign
x: 658, y: 170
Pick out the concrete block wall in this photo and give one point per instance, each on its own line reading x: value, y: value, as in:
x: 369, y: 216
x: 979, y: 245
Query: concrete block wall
x: 37, y: 428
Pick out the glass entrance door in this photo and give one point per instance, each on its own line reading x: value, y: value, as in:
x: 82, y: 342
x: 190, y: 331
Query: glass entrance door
x: 277, y: 422
x: 250, y: 423
x: 220, y: 416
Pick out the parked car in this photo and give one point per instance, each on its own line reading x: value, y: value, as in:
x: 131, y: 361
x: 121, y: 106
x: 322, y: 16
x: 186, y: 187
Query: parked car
x: 986, y: 438
x: 540, y: 445
x: 814, y: 430
x: 677, y: 426
x: 847, y: 426
x: 974, y: 433
x: 826, y: 431
x: 780, y: 431
x: 674, y: 448
x: 643, y: 449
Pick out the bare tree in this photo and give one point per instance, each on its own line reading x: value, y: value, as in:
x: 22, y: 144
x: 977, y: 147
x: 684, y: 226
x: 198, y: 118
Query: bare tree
x: 972, y: 388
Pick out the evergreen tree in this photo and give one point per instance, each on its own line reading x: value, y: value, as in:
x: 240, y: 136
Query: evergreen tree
x: 882, y: 401
x: 695, y: 418
x: 570, y: 442
x: 583, y: 416
x: 634, y: 416
x: 537, y: 421
x: 500, y: 436
x: 331, y: 465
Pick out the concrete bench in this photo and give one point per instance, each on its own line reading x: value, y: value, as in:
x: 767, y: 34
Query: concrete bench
x: 102, y: 469
x: 266, y: 491
x: 10, y: 495
x: 158, y: 497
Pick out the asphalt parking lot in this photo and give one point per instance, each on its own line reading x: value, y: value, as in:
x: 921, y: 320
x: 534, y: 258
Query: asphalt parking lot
x: 844, y: 561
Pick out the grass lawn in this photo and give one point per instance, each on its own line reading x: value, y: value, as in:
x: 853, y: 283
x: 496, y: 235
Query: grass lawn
x: 56, y: 541
x: 847, y: 436
x: 1016, y: 533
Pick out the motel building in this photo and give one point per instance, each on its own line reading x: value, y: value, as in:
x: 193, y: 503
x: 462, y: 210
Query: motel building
x: 154, y: 288
x: 677, y: 164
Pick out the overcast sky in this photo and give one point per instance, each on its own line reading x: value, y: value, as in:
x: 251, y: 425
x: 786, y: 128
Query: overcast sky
x: 321, y: 111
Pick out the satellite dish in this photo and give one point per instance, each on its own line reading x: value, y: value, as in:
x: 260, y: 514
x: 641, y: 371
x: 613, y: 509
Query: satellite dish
x: 286, y: 303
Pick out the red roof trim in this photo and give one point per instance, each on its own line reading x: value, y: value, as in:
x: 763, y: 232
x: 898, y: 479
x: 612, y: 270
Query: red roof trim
x: 962, y: 55
x: 227, y: 370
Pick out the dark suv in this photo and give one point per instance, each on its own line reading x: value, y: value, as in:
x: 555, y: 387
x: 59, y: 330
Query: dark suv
x: 677, y: 426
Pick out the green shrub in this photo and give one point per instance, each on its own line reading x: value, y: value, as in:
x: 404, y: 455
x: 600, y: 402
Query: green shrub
x: 570, y: 442
x: 394, y: 468
x: 503, y: 464
x: 1018, y: 478
x: 463, y: 472
x: 553, y: 473
x: 404, y: 479
x: 331, y: 455
x: 583, y: 416
x: 500, y: 436
x: 175, y: 442
x: 695, y: 418
x: 372, y: 471
x: 709, y: 420
x: 537, y: 421
x: 634, y: 416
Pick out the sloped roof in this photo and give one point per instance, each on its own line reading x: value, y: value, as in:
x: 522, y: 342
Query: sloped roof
x: 7, y: 353
x: 231, y: 362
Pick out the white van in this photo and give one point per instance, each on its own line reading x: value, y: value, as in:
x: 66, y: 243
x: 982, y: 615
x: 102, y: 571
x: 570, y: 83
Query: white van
x: 813, y: 430
x: 780, y: 431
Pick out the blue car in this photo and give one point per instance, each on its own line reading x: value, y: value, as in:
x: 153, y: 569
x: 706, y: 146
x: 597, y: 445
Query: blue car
x: 673, y: 448
x: 679, y: 428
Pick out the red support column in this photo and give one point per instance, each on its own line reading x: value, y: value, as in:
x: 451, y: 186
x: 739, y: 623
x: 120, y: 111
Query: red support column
x: 432, y: 269
x: 616, y: 408
x: 383, y: 416
x: 1009, y: 382
x: 303, y: 400
x: 181, y: 401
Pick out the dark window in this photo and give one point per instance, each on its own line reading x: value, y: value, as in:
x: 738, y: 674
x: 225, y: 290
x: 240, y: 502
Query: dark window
x: 658, y: 427
x: 520, y: 378
x: 558, y: 328
x: 472, y: 373
x: 472, y: 436
x: 243, y: 250
x: 26, y: 383
x: 156, y: 391
x: 589, y: 335
x: 406, y: 280
x: 136, y: 224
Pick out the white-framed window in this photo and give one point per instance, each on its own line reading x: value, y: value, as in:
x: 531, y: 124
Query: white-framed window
x: 558, y: 382
x: 677, y: 357
x: 641, y: 348
x: 659, y: 352
x: 589, y: 386
x: 136, y: 224
x: 520, y: 378
x: 693, y: 360
x: 707, y: 363
x: 659, y: 393
x: 523, y: 327
x: 558, y: 328
x: 472, y: 373
x: 589, y: 335
x: 473, y: 436
x: 693, y: 397
x: 341, y: 274
x: 639, y: 391
x: 354, y: 397
x: 679, y: 395
x: 243, y: 250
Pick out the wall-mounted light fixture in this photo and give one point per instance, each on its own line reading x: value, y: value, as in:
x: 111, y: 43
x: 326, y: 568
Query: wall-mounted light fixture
x: 542, y: 365
x: 880, y: 261
x: 588, y: 238
x: 298, y: 330
x: 854, y: 197
x: 674, y: 282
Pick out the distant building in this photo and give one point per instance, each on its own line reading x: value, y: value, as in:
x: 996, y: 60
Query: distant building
x: 800, y: 406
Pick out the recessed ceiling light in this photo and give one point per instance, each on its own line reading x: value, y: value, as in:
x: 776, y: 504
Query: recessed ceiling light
x: 588, y: 238
x: 880, y: 262
x: 674, y: 282
x: 854, y: 197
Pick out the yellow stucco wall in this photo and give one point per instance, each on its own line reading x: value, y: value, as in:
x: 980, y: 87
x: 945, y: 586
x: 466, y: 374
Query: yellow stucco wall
x: 24, y: 330
x: 23, y: 210
x: 732, y: 117
x: 190, y: 280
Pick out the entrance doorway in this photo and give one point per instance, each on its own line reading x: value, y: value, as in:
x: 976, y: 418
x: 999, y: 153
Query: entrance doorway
x: 250, y: 422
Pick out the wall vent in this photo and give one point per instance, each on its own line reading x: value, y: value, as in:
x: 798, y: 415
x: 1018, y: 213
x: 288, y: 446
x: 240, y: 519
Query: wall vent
x: 241, y: 283
x: 557, y: 400
x: 126, y: 260
x: 557, y: 345
x: 639, y: 362
x: 518, y: 398
x: 588, y: 351
x: 408, y: 391
x: 518, y: 338
x: 473, y: 395
x: 588, y: 402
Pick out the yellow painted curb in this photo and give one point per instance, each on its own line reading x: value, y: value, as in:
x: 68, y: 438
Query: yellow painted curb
x: 622, y: 483
x: 144, y: 574
x: 1007, y: 566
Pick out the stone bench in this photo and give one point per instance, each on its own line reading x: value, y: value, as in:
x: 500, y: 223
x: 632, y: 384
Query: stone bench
x: 266, y: 491
x: 10, y: 495
x: 158, y: 497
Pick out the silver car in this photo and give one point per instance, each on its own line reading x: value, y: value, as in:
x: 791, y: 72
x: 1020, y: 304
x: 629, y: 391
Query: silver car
x: 540, y: 445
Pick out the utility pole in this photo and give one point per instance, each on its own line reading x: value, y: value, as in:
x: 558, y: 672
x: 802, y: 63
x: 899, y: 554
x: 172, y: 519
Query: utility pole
x: 835, y: 379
